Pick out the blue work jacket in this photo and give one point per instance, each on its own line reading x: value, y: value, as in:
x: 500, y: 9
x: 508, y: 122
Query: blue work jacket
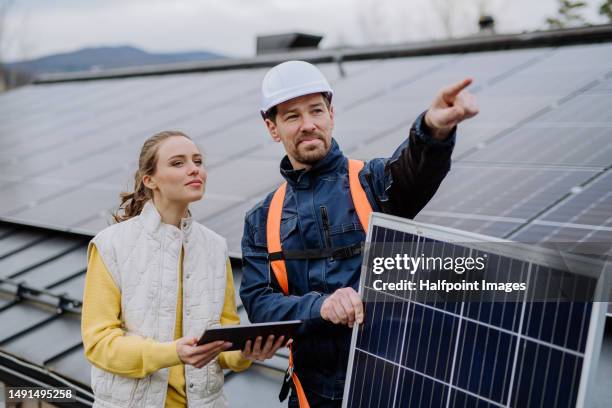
x: 318, y: 213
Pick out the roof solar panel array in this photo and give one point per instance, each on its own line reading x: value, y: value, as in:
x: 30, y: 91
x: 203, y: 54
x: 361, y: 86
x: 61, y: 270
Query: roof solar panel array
x: 543, y: 131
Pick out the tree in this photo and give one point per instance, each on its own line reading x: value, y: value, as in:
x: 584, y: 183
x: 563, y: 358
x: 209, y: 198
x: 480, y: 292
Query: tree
x: 606, y: 9
x: 568, y: 15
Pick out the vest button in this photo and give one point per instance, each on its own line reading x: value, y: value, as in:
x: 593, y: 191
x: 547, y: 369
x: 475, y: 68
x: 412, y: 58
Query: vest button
x: 188, y: 276
x: 190, y: 385
x: 187, y: 313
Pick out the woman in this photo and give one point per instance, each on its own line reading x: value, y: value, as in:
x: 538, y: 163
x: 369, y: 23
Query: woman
x: 155, y: 281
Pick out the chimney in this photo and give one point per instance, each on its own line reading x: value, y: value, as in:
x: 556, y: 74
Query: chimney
x: 270, y: 44
x: 486, y: 25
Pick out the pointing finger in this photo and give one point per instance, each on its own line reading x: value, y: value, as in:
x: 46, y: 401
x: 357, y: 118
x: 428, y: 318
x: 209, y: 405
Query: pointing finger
x: 452, y: 91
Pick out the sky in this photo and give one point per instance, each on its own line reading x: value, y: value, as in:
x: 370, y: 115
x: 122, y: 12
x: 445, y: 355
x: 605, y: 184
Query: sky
x: 36, y: 28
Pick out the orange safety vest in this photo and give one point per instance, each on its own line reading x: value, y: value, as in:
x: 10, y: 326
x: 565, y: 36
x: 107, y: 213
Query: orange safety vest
x: 363, y: 209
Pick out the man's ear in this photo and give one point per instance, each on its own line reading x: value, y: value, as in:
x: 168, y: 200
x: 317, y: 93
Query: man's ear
x: 331, y: 115
x: 273, y: 130
x: 148, y: 182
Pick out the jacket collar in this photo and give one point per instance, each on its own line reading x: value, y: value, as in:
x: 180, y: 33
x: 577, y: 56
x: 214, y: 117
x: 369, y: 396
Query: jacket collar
x: 151, y: 220
x: 302, y: 178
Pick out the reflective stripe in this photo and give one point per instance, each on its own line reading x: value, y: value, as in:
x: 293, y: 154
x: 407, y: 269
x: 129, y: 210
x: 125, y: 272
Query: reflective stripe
x: 360, y: 200
x: 302, y: 400
x: 275, y: 212
x: 273, y: 236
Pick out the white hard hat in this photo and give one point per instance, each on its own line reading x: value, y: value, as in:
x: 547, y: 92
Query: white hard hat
x: 290, y: 80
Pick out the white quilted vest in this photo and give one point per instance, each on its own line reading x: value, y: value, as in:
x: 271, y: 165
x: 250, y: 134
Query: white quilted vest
x: 142, y: 254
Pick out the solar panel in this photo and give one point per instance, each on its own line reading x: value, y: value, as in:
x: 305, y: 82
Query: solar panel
x: 504, y: 191
x: 493, y: 226
x: 522, y: 349
x: 524, y: 146
x: 576, y: 240
x: 588, y: 206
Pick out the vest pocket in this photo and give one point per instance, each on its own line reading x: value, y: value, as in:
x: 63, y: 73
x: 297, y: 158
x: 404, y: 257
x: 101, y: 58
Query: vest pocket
x: 123, y: 388
x: 214, y: 378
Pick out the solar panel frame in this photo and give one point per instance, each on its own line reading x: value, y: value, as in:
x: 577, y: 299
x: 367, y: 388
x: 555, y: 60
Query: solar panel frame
x: 538, y: 255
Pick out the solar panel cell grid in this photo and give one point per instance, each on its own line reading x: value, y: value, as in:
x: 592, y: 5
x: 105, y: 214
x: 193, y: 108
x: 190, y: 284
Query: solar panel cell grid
x: 550, y: 145
x: 576, y: 240
x: 439, y: 353
x: 589, y: 206
x: 503, y: 191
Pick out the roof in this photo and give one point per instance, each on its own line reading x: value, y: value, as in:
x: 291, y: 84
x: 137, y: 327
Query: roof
x: 534, y: 166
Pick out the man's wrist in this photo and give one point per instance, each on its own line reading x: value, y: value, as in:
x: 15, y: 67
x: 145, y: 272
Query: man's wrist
x: 425, y: 134
x: 438, y: 133
x: 315, y: 311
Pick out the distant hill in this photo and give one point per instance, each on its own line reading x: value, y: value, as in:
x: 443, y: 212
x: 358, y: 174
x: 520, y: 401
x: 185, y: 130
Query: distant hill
x: 100, y: 58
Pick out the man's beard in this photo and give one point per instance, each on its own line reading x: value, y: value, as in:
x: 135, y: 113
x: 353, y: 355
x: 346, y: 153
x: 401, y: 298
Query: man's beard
x: 311, y: 154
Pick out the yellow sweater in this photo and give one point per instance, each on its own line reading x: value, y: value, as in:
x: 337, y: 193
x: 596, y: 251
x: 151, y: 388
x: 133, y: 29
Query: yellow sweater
x: 132, y: 356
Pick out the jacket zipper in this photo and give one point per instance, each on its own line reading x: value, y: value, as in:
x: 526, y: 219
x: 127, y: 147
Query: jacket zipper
x: 326, y: 228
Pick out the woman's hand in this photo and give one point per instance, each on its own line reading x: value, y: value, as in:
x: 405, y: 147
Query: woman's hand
x: 262, y: 353
x: 198, y: 356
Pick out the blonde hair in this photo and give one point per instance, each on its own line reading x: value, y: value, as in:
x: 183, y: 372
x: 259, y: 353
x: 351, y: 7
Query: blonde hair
x: 132, y: 203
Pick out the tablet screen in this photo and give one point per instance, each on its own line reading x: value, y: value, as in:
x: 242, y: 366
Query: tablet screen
x: 238, y: 335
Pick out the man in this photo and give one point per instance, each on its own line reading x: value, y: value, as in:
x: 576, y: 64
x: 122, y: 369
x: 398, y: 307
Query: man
x: 320, y: 225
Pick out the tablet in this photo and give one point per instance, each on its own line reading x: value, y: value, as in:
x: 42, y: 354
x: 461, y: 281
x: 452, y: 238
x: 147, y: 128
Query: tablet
x: 238, y: 335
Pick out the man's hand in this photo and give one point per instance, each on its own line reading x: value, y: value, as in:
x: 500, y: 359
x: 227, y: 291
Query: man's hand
x: 344, y: 306
x: 262, y: 353
x: 451, y: 106
x: 198, y: 356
